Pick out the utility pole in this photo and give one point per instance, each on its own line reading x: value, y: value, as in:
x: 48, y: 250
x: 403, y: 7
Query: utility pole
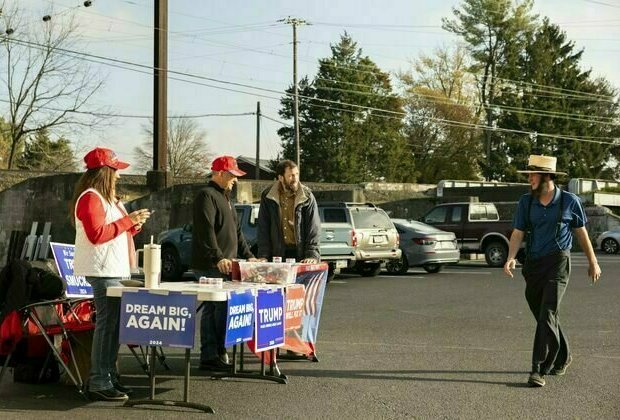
x: 157, y: 179
x: 257, y: 176
x: 294, y: 22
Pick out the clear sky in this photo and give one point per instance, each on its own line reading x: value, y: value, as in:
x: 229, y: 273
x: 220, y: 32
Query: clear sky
x: 237, y: 41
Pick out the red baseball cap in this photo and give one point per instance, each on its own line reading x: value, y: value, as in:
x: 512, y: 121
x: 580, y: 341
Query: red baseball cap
x: 227, y: 163
x: 100, y: 156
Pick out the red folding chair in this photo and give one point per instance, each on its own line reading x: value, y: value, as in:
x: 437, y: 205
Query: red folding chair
x: 57, y: 322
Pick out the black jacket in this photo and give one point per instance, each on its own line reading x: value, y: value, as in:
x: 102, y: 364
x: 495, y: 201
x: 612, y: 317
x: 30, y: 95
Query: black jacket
x: 307, y: 224
x: 216, y: 233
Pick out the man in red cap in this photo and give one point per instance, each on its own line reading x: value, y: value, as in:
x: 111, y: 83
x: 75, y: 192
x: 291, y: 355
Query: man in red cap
x: 216, y: 240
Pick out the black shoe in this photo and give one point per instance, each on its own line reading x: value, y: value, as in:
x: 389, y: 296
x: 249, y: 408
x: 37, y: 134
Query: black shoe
x: 215, y: 365
x: 111, y: 394
x: 122, y: 388
x: 224, y: 358
x: 536, y: 380
x: 561, y: 370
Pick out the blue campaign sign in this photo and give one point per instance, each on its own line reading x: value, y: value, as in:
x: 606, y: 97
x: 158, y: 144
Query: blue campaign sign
x: 269, y: 325
x: 240, y: 318
x: 77, y: 286
x: 152, y: 318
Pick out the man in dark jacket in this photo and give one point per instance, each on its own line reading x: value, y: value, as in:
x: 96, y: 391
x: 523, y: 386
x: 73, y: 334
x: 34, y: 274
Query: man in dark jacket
x: 216, y: 240
x: 288, y: 218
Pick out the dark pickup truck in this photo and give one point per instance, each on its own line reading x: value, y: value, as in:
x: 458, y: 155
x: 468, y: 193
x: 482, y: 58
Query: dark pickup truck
x: 477, y: 227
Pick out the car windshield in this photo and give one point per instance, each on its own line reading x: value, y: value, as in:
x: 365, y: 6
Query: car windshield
x: 370, y: 218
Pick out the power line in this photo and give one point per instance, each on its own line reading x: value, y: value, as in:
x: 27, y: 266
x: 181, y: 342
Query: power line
x: 395, y: 114
x: 602, y: 3
x: 233, y: 27
x: 518, y: 110
x: 276, y: 120
x: 186, y: 33
x: 137, y: 116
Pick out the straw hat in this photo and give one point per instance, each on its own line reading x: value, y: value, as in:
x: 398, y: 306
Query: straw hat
x: 538, y: 164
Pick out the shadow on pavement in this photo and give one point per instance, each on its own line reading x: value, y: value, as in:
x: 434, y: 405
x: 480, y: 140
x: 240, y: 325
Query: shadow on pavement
x: 410, y: 375
x: 60, y: 397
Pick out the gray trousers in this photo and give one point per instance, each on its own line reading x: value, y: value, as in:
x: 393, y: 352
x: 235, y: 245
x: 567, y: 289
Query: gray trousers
x: 546, y: 279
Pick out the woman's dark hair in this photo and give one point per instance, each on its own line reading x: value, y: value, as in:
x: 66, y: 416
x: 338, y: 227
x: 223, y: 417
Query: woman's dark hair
x: 283, y: 166
x: 102, y: 179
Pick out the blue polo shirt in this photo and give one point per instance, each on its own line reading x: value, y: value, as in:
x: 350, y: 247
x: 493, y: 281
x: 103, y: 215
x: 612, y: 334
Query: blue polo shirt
x: 544, y: 220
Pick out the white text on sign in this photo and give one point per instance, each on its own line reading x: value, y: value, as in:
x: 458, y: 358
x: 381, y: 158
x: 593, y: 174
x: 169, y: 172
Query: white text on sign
x: 157, y: 317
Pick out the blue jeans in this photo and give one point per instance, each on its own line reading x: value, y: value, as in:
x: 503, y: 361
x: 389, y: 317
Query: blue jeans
x: 212, y: 323
x: 105, y: 338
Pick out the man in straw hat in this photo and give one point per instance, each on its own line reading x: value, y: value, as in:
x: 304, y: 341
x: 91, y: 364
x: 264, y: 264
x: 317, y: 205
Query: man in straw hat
x: 548, y: 218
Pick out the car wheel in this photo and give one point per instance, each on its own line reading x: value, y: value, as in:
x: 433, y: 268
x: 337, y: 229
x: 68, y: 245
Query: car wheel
x: 432, y: 268
x: 610, y: 246
x: 496, y: 254
x: 399, y: 266
x: 369, y: 269
x: 171, y: 268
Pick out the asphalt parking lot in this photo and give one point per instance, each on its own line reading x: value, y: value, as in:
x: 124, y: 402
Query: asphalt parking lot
x: 451, y: 345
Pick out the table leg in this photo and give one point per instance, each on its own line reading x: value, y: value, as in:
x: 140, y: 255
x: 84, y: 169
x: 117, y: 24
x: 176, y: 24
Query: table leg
x: 234, y: 359
x: 169, y: 403
x: 274, y: 374
x: 186, y: 380
x: 272, y: 361
x: 152, y: 371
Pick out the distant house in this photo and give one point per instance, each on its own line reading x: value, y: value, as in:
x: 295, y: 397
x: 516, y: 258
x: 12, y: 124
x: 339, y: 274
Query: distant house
x: 248, y: 165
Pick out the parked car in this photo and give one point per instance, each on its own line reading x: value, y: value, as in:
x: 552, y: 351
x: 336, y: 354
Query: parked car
x: 176, y: 244
x: 423, y: 246
x: 609, y: 241
x: 374, y: 236
x: 477, y: 227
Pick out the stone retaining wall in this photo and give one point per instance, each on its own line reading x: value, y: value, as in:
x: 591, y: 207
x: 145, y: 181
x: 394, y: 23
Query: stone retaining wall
x: 44, y: 197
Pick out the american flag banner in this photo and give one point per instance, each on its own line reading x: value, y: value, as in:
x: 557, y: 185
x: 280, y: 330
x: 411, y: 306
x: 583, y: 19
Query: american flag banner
x: 314, y: 279
x: 303, y: 339
x: 313, y: 288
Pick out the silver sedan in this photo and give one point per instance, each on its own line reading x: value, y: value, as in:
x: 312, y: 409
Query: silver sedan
x: 423, y: 246
x: 609, y: 241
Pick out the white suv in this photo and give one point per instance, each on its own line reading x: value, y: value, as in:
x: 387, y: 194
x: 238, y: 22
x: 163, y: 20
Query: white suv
x: 374, y: 237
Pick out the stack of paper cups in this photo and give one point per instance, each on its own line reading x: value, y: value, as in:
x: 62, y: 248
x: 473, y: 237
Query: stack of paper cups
x: 152, y: 265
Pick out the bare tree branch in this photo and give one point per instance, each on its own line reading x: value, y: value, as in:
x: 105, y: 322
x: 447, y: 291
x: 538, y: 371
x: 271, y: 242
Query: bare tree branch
x: 45, y: 86
x: 188, y: 153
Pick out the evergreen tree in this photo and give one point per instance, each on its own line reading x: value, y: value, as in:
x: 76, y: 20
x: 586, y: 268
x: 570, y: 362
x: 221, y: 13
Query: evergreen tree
x: 494, y: 32
x: 581, y: 108
x: 43, y: 154
x: 351, y: 122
